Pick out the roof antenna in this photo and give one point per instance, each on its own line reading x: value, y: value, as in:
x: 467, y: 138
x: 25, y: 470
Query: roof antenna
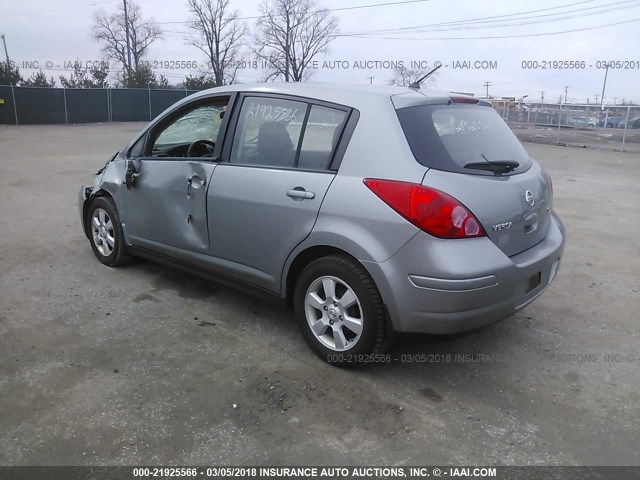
x: 416, y: 85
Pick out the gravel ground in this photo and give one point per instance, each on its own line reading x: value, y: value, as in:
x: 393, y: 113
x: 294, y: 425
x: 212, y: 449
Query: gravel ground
x: 596, y: 138
x: 144, y: 365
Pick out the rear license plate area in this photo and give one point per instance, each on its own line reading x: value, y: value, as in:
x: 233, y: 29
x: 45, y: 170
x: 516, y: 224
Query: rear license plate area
x: 534, y: 282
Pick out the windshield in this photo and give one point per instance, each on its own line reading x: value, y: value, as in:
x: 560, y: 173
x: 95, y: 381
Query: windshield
x: 448, y: 137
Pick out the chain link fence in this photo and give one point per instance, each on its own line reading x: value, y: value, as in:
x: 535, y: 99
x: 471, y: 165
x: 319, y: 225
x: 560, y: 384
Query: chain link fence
x: 33, y: 105
x: 609, y: 127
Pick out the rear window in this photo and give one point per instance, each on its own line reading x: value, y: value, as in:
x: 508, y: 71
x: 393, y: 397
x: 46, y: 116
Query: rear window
x: 447, y: 137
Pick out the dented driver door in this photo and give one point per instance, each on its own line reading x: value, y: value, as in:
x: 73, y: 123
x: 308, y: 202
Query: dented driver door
x: 166, y: 198
x: 167, y: 205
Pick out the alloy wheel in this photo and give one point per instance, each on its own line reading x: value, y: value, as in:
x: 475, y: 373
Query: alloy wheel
x: 334, y: 313
x: 102, y: 232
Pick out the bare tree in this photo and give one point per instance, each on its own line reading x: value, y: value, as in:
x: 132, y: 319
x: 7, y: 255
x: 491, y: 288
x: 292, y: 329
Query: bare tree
x: 404, y: 76
x: 219, y: 36
x: 113, y: 32
x: 290, y: 34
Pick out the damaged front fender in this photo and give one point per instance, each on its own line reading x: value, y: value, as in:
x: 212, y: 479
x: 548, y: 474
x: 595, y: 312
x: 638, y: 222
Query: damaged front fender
x: 83, y: 197
x: 106, y: 182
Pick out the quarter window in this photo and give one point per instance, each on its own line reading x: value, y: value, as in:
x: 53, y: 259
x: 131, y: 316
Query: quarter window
x: 321, y: 136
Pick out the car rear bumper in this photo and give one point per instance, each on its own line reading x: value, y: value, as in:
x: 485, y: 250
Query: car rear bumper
x: 448, y: 286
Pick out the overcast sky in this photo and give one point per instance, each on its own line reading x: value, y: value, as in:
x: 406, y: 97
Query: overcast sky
x: 43, y: 31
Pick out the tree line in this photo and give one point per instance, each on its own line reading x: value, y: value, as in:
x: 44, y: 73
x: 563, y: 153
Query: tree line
x: 286, y: 37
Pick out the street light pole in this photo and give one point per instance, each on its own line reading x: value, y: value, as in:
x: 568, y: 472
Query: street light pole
x: 604, y: 85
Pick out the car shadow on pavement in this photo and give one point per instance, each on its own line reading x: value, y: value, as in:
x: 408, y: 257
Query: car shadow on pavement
x: 260, y: 310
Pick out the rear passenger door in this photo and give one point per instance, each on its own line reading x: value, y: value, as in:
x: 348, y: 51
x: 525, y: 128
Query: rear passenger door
x: 266, y: 193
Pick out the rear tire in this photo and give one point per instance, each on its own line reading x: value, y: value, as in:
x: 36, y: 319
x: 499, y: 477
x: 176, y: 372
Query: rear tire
x: 105, y: 233
x: 340, y: 312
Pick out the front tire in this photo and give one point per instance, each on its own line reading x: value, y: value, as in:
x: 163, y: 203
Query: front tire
x: 340, y: 311
x: 105, y: 233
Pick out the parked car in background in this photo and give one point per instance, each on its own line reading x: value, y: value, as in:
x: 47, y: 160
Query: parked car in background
x: 578, y: 122
x: 611, y: 122
x: 368, y: 209
x: 633, y: 123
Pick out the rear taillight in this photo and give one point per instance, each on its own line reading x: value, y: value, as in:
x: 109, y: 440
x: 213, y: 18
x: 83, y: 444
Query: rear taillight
x: 429, y: 209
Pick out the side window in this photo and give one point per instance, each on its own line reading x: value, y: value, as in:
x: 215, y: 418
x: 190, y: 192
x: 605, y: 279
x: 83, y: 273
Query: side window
x: 321, y: 136
x: 268, y: 132
x: 201, y: 125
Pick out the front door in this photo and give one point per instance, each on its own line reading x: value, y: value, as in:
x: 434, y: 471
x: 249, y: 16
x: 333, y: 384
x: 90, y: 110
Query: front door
x: 167, y: 203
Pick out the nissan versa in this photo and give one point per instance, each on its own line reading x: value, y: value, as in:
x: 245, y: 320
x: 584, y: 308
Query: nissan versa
x: 369, y: 209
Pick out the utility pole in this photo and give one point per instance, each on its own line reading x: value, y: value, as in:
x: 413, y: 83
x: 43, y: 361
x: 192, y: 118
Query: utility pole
x: 126, y: 32
x: 597, y: 96
x: 541, y: 96
x: 371, y: 80
x: 6, y: 52
x: 487, y: 85
x: 604, y: 84
x: 566, y: 88
x: 286, y: 48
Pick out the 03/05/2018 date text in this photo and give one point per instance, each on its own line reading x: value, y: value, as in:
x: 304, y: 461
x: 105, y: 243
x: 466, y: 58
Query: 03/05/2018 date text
x: 580, y: 64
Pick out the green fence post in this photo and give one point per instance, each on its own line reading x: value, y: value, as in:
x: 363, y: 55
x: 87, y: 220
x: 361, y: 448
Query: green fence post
x: 15, y: 107
x: 109, y: 112
x: 626, y: 125
x: 559, y: 123
x: 64, y: 96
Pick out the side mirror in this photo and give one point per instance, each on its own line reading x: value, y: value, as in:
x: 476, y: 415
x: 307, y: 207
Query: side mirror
x: 132, y: 173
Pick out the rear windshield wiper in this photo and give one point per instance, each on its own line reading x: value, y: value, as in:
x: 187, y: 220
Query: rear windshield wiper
x: 498, y: 167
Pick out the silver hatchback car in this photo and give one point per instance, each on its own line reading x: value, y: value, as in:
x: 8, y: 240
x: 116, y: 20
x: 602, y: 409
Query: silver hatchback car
x: 370, y: 210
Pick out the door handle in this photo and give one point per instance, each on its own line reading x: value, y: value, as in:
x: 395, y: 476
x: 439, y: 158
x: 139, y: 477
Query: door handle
x: 195, y: 181
x: 300, y: 193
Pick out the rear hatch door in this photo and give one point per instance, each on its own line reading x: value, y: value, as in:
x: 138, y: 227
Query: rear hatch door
x: 514, y: 210
x: 473, y: 156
